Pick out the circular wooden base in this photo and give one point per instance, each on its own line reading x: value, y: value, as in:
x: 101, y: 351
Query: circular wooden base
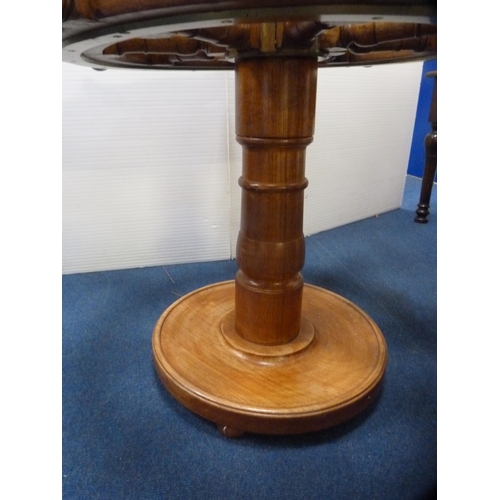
x: 332, y: 372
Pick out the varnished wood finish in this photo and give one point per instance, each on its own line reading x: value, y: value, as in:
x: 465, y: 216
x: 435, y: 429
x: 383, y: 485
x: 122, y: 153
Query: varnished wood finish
x: 335, y: 46
x: 110, y: 9
x: 259, y: 354
x: 264, y: 353
x: 430, y: 144
x: 275, y: 105
x: 338, y: 374
x: 182, y: 34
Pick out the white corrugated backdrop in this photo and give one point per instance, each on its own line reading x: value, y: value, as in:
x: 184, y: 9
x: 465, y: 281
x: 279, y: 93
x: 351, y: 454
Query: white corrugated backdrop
x: 150, y: 164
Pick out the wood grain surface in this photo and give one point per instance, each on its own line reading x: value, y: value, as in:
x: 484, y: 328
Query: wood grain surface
x: 186, y: 34
x: 252, y: 355
x: 263, y: 353
x: 335, y: 377
x: 275, y: 106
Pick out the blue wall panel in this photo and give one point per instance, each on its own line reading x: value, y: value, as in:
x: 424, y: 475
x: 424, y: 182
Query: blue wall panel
x: 422, y: 125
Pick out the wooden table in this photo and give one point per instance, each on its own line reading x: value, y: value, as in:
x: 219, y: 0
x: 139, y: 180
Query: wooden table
x: 264, y: 353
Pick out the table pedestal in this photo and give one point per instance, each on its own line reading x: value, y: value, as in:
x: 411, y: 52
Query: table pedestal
x: 265, y: 353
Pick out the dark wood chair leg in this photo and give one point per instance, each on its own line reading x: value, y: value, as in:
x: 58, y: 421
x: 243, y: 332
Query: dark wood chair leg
x: 430, y: 159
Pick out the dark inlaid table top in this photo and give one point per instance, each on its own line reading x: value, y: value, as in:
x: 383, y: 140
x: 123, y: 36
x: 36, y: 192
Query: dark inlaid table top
x: 182, y: 34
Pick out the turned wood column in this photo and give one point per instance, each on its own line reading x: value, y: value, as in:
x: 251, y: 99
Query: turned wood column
x: 265, y: 353
x: 275, y: 109
x: 430, y: 167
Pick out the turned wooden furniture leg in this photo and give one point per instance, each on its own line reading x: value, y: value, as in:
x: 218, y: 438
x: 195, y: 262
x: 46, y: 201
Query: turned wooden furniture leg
x: 430, y: 159
x: 265, y: 353
x: 275, y: 123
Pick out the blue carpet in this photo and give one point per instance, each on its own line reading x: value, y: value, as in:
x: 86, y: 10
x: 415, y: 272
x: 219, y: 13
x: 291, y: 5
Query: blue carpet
x: 124, y: 437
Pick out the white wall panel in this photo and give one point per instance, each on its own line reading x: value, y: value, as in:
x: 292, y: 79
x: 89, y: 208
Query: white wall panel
x: 364, y: 126
x: 144, y: 168
x: 150, y: 163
